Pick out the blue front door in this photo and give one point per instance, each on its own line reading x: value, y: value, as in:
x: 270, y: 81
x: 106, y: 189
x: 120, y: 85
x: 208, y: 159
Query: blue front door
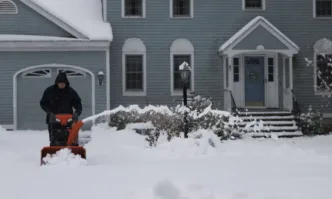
x: 254, y: 81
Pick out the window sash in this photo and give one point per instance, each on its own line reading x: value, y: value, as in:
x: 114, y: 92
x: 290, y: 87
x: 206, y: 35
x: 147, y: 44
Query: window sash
x: 323, y: 72
x: 181, y: 8
x: 133, y: 7
x: 134, y: 72
x: 253, y: 4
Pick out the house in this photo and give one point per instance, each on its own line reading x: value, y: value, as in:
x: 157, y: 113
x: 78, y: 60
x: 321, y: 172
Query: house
x: 246, y: 54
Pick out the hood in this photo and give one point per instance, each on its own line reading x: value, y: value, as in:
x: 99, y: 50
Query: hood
x: 62, y: 77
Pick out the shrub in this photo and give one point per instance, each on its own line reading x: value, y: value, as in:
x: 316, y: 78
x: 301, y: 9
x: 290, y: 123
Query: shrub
x: 311, y: 122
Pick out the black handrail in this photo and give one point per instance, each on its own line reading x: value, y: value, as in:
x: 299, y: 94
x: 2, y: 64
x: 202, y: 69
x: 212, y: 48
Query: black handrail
x: 234, y: 107
x: 296, y: 109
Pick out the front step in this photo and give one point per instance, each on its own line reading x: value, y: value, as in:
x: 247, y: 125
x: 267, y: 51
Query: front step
x: 268, y: 123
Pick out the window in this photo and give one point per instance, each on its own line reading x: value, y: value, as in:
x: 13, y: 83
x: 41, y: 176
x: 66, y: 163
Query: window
x: 133, y: 8
x: 134, y: 67
x: 71, y: 73
x: 270, y: 70
x: 181, y: 51
x: 323, y: 8
x: 181, y: 8
x: 8, y: 7
x: 253, y: 4
x: 323, y: 72
x: 134, y: 72
x: 38, y: 73
x: 236, y: 72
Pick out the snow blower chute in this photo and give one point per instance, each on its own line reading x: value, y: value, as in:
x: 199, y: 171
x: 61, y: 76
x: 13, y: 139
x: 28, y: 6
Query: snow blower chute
x: 64, y: 134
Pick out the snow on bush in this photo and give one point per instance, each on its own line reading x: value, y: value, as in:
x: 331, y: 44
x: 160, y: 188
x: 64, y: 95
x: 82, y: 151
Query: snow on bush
x: 311, y: 122
x: 64, y: 157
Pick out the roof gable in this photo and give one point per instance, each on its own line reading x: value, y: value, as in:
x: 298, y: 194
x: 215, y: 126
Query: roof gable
x: 252, y: 25
x: 83, y: 19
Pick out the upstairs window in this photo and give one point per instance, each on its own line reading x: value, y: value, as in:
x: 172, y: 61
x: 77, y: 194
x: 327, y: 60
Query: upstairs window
x: 8, y: 7
x: 181, y: 8
x: 323, y: 8
x: 133, y: 8
x: 253, y: 4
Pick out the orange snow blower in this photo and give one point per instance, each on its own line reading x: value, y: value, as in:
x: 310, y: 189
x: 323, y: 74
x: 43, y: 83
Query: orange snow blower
x: 64, y: 134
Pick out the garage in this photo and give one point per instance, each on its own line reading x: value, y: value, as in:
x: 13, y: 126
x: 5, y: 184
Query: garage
x: 30, y: 85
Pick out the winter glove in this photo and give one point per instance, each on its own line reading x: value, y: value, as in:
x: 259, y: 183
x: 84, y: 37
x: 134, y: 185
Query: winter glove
x: 52, y: 117
x: 75, y: 117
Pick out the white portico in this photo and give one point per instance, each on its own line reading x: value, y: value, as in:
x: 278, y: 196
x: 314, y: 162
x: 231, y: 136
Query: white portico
x: 258, y: 67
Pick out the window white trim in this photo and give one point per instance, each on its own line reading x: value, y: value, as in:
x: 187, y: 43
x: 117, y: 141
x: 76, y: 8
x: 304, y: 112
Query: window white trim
x: 133, y: 46
x: 48, y: 75
x: 108, y: 79
x: 83, y: 74
x: 15, y: 11
x: 182, y: 47
x: 253, y: 9
x: 93, y: 92
x: 314, y: 12
x: 181, y: 17
x: 134, y: 17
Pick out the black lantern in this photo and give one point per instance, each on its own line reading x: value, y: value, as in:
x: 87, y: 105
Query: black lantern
x: 185, y: 75
x: 185, y: 72
x: 100, y: 77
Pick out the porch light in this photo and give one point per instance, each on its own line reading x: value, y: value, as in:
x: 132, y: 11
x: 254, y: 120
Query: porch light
x: 185, y: 72
x: 100, y: 78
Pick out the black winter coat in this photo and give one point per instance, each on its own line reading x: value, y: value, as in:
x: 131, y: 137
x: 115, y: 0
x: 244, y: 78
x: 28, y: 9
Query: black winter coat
x: 56, y: 100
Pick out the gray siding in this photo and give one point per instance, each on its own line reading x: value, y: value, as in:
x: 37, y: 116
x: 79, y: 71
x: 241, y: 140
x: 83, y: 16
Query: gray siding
x: 214, y: 22
x: 260, y: 36
x: 29, y: 22
x: 11, y: 62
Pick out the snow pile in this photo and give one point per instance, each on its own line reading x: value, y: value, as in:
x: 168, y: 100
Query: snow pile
x: 166, y: 189
x: 85, y: 16
x: 64, y: 157
x: 200, y: 143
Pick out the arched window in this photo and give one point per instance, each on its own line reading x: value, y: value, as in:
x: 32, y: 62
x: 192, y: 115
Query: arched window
x: 134, y: 67
x: 38, y: 73
x: 72, y: 73
x: 323, y: 66
x: 181, y: 51
x: 8, y: 7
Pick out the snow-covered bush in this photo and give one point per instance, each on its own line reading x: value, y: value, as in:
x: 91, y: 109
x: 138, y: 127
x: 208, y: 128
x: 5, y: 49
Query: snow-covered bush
x: 311, y: 122
x: 200, y: 115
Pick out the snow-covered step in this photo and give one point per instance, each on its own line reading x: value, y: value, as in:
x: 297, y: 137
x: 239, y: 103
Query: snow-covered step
x: 265, y: 113
x: 270, y: 128
x: 274, y: 123
x: 278, y: 134
x: 287, y: 117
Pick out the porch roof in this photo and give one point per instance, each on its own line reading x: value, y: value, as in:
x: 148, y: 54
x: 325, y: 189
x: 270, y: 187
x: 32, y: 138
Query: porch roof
x: 259, y: 24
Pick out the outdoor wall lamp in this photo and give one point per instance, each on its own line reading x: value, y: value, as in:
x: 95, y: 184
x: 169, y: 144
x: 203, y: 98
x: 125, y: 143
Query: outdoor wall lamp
x: 100, y: 78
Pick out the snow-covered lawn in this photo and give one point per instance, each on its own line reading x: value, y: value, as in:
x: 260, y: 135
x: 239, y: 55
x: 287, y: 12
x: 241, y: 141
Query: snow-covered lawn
x: 121, y: 166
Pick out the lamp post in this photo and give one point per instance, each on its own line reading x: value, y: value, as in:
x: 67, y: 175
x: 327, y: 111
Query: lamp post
x: 185, y: 75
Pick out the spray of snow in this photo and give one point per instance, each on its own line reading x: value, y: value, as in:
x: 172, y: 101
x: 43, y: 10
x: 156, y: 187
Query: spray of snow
x: 64, y: 157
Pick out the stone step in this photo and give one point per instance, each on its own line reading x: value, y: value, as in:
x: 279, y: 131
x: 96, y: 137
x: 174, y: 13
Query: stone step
x: 265, y: 118
x: 263, y: 113
x: 278, y: 134
x: 271, y: 123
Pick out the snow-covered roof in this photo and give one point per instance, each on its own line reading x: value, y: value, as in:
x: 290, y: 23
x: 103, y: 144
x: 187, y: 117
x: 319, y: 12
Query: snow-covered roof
x: 253, y: 22
x: 85, y: 16
x: 4, y: 37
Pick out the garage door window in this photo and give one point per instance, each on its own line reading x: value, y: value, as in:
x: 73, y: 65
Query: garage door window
x: 72, y: 73
x: 38, y: 73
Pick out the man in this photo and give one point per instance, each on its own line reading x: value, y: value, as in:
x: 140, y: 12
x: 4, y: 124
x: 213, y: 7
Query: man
x: 60, y: 98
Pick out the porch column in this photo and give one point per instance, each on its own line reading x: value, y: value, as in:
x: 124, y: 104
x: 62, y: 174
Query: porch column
x: 290, y: 59
x: 230, y: 81
x: 288, y: 96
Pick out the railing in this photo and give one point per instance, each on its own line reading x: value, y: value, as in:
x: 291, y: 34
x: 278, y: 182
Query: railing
x: 296, y: 108
x: 234, y: 107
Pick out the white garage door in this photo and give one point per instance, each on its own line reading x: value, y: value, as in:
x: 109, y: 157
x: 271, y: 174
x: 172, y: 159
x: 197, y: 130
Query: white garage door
x: 31, y: 85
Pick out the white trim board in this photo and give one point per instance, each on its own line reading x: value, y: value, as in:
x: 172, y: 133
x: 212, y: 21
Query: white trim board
x: 93, y: 92
x: 108, y: 80
x: 64, y: 45
x: 54, y: 19
x: 227, y: 47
